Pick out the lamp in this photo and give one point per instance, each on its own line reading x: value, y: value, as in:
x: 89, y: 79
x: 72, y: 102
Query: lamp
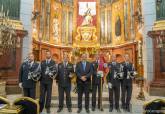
x: 8, y: 35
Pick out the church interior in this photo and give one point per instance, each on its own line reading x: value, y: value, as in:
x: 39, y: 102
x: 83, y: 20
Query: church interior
x: 74, y: 27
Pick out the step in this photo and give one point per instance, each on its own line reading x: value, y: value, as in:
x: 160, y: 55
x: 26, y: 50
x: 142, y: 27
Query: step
x: 105, y: 104
x: 74, y: 98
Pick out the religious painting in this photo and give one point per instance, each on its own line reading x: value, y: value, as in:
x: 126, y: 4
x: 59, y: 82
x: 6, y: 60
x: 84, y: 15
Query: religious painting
x: 126, y: 20
x: 42, y: 18
x: 47, y: 22
x: 86, y: 13
x: 102, y: 30
x: 109, y: 27
x: 70, y: 27
x: 64, y: 21
x: 118, y: 26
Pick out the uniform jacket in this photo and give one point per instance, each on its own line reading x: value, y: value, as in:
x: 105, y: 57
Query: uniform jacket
x: 46, y: 78
x: 63, y: 74
x: 126, y: 68
x: 112, y: 69
x: 23, y: 74
x: 81, y: 72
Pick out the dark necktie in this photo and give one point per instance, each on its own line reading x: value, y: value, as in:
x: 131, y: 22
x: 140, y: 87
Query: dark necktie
x: 126, y: 63
x: 47, y: 62
x: 30, y: 64
x: 84, y: 66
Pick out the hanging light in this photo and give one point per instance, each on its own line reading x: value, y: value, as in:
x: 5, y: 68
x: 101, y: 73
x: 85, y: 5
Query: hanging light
x: 8, y: 35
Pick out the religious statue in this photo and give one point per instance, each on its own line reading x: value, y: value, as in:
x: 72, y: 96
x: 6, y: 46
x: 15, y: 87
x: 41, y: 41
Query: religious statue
x: 55, y: 29
x: 88, y: 19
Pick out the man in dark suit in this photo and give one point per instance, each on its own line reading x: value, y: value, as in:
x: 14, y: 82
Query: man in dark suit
x: 96, y: 82
x: 83, y: 71
x: 48, y: 71
x: 64, y: 75
x: 114, y: 84
x: 25, y: 81
x: 128, y: 70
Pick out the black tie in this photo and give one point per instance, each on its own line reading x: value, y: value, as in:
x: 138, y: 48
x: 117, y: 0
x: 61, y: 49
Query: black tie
x: 47, y: 61
x: 29, y: 64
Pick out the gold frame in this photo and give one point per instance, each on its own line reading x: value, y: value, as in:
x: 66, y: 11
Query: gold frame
x: 29, y: 99
x: 5, y: 100
x: 96, y: 31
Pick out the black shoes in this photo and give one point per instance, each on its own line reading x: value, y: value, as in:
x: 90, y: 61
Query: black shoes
x: 79, y: 110
x: 48, y: 110
x: 87, y: 111
x: 118, y: 110
x: 93, y: 108
x: 127, y: 109
x: 110, y: 109
x: 101, y: 109
x: 69, y: 110
x: 59, y: 110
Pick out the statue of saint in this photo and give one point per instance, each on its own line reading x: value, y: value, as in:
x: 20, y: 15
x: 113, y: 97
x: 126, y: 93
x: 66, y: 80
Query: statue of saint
x: 88, y: 19
x: 56, y: 29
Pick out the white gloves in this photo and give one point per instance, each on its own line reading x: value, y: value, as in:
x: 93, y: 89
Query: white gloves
x: 109, y: 85
x: 20, y: 85
x: 70, y: 75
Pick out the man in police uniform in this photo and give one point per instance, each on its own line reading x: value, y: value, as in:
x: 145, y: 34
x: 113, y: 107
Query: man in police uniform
x: 114, y: 84
x: 48, y: 70
x: 95, y: 83
x: 127, y: 83
x: 64, y: 75
x: 83, y: 71
x: 25, y: 81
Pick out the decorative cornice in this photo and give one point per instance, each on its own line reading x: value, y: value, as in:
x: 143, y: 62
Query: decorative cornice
x: 159, y: 25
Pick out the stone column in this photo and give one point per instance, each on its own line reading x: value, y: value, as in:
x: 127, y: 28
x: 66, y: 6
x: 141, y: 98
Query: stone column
x: 25, y: 17
x: 149, y: 14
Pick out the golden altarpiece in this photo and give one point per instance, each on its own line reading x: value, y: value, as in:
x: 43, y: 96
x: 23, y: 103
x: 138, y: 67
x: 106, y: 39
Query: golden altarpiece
x: 91, y: 26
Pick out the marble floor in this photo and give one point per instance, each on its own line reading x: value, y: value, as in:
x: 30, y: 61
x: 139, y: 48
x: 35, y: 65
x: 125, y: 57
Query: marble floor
x: 137, y: 105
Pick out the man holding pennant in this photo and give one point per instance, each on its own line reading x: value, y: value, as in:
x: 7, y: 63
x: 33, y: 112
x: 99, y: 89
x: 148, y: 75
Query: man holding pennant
x: 99, y: 66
